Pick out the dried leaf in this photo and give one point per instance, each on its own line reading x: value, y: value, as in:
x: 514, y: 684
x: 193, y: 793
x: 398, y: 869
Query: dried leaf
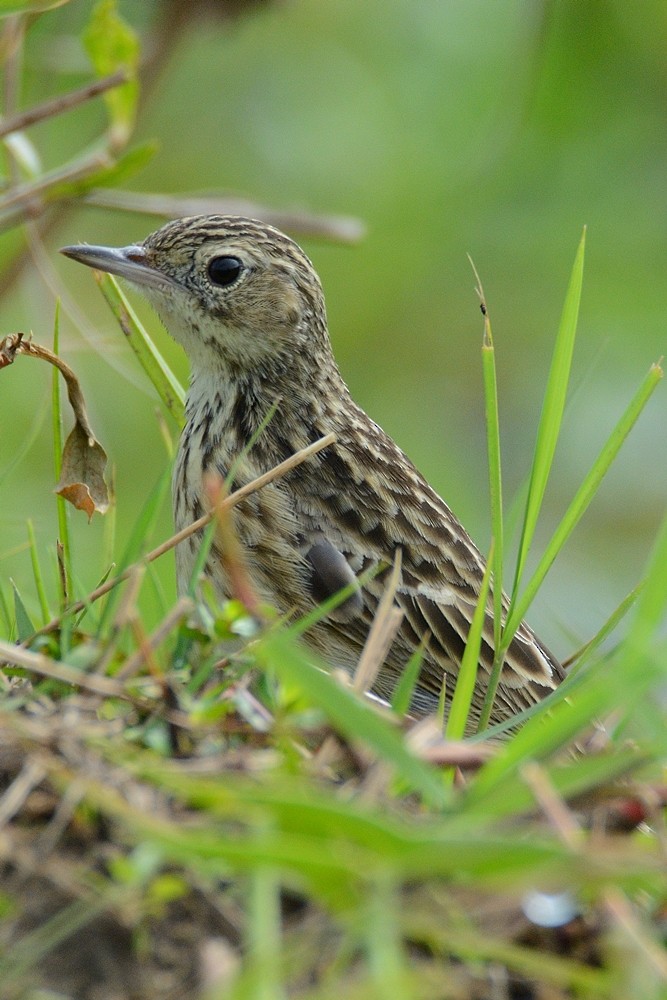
x: 82, y: 473
x: 9, y: 345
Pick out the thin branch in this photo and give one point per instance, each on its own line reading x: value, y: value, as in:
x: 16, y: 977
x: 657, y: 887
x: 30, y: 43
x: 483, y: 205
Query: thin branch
x: 343, y: 229
x: 46, y: 667
x: 64, y: 102
x: 134, y: 662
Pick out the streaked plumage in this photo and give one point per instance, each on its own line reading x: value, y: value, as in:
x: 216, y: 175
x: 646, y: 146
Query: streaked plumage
x: 258, y: 334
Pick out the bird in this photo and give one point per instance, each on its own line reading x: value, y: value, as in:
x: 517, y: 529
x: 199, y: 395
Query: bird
x: 247, y: 306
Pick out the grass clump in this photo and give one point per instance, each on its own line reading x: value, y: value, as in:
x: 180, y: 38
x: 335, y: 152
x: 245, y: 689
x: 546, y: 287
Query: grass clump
x: 196, y: 808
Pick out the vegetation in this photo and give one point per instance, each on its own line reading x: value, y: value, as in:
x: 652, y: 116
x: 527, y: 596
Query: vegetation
x: 190, y: 806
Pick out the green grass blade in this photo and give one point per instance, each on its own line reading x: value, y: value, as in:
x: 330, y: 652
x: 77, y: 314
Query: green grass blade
x: 582, y: 499
x: 402, y: 693
x: 6, y: 615
x: 583, y: 655
x: 494, y: 460
x: 37, y: 573
x: 651, y: 604
x: 141, y: 532
x: 109, y: 535
x: 57, y: 430
x: 467, y: 675
x: 166, y: 384
x: 552, y: 411
x: 495, y: 477
x: 24, y: 625
x: 383, y: 938
x: 618, y: 684
x: 264, y: 944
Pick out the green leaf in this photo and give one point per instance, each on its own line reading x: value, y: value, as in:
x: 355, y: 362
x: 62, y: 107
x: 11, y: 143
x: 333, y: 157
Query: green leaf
x: 168, y: 387
x: 125, y: 166
x: 467, y: 675
x: 405, y: 686
x: 24, y: 625
x: 552, y: 410
x: 112, y: 45
x: 37, y: 573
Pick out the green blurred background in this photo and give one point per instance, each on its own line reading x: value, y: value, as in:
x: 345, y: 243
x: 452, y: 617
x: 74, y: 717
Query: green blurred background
x: 495, y: 129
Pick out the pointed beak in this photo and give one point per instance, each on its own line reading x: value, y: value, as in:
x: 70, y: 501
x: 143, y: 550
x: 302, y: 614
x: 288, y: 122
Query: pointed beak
x: 130, y: 263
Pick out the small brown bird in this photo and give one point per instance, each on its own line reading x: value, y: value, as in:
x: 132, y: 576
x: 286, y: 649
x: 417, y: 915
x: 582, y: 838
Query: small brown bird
x: 247, y: 306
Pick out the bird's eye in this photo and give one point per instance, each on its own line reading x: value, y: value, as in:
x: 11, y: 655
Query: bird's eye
x: 224, y: 270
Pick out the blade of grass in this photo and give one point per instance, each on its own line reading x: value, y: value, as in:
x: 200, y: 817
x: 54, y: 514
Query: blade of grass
x: 512, y: 797
x: 264, y: 951
x: 581, y: 657
x: 552, y: 411
x: 616, y: 685
x: 6, y: 615
x: 24, y: 626
x: 496, y: 497
x: 383, y: 938
x: 166, y: 384
x: 567, y: 687
x: 652, y: 601
x: 459, y: 711
x: 402, y: 693
x: 37, y: 573
x: 491, y: 688
x: 582, y: 499
x: 141, y: 533
x: 109, y: 533
x: 493, y: 453
x: 57, y: 430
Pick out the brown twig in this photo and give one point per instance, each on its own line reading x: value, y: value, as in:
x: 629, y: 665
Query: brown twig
x: 74, y: 394
x: 343, y: 229
x: 46, y: 667
x: 279, y: 470
x: 552, y: 805
x: 134, y: 662
x: 64, y: 102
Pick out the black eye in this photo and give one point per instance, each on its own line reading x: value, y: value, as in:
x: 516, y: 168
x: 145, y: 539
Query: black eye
x: 224, y: 270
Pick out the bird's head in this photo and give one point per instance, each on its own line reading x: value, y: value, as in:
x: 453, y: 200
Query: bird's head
x: 234, y: 292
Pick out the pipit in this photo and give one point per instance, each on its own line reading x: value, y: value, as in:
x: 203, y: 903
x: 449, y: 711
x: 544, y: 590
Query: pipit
x: 247, y: 306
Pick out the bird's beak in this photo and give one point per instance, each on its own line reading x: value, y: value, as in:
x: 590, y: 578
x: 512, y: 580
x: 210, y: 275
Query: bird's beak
x: 130, y: 263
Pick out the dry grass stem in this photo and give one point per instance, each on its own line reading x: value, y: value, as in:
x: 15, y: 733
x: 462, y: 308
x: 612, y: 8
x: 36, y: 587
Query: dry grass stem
x: 552, y: 805
x: 134, y: 663
x: 385, y: 625
x: 624, y: 917
x: 342, y: 229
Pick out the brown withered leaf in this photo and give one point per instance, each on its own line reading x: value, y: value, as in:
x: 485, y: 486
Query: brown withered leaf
x: 82, y: 472
x: 84, y: 459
